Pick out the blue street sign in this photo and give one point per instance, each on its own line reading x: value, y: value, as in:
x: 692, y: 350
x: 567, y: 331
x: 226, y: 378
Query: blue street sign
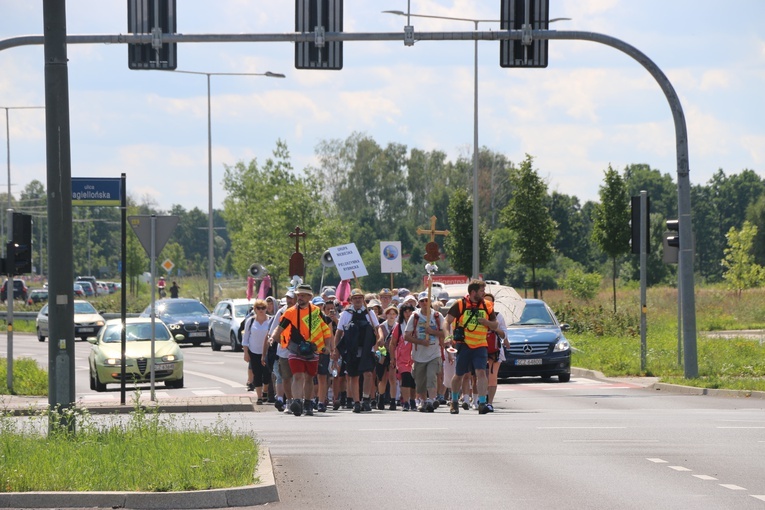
x: 96, y: 191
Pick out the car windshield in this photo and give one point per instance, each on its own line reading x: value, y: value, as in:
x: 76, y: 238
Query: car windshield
x: 84, y: 307
x: 241, y: 310
x: 136, y: 332
x: 535, y: 314
x: 183, y: 308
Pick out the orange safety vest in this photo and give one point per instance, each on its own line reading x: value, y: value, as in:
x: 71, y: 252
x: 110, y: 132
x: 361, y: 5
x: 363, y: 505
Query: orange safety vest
x: 319, y: 330
x: 475, y: 333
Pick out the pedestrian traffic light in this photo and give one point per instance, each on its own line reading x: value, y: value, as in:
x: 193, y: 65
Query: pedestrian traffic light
x: 635, y: 225
x: 19, y: 258
x: 673, y: 239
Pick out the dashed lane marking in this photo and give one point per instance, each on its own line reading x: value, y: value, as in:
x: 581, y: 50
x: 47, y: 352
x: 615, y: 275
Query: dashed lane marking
x: 732, y: 487
x: 679, y: 468
x: 657, y: 461
x: 705, y: 477
x: 760, y: 497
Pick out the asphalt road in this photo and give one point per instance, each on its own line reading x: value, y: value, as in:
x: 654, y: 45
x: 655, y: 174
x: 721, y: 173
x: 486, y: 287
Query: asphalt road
x: 585, y: 444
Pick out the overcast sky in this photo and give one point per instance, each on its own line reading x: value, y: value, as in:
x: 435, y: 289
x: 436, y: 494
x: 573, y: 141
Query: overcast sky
x: 590, y: 107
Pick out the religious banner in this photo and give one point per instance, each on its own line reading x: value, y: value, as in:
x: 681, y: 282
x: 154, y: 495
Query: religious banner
x: 390, y: 257
x: 348, y: 261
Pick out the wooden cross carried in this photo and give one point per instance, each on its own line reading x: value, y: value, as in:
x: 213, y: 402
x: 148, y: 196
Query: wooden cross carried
x: 431, y: 249
x: 297, y: 263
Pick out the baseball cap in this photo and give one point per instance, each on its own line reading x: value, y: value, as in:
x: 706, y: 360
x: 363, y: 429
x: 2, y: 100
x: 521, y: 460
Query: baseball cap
x: 423, y: 295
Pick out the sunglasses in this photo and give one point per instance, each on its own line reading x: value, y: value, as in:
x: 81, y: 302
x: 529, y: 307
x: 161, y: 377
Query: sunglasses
x: 260, y: 307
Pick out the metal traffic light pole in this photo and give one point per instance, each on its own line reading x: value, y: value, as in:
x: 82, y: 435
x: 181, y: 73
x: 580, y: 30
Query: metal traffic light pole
x: 526, y: 35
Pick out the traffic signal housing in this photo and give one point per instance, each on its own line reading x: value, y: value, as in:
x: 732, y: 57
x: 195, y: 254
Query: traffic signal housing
x: 671, y: 242
x: 635, y: 225
x: 19, y: 251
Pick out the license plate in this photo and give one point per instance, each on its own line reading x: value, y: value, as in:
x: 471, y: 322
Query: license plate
x: 532, y: 361
x: 163, y: 366
x: 197, y: 333
x: 86, y: 330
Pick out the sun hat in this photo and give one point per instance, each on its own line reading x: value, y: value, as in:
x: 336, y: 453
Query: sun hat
x: 357, y: 292
x: 304, y: 289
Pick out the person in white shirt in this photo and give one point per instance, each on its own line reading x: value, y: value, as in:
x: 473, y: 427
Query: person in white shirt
x: 428, y: 339
x: 253, y: 340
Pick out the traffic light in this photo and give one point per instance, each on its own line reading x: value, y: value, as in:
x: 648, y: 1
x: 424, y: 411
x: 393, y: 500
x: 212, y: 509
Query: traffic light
x: 635, y: 225
x: 673, y: 239
x: 19, y: 258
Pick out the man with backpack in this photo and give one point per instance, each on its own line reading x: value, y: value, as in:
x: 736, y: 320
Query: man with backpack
x: 470, y: 319
x: 358, y: 331
x: 425, y: 331
x: 305, y: 336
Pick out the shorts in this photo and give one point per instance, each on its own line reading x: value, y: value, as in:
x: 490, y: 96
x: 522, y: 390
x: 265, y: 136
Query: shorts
x: 258, y: 370
x: 301, y: 365
x: 426, y: 375
x: 284, y: 368
x: 323, y: 364
x: 382, y: 368
x: 357, y: 366
x: 493, y: 372
x: 407, y: 381
x: 468, y: 359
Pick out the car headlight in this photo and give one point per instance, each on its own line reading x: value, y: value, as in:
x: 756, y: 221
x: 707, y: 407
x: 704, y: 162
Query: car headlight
x: 175, y: 326
x: 562, y: 345
x: 112, y: 362
x: 170, y: 357
x: 99, y: 323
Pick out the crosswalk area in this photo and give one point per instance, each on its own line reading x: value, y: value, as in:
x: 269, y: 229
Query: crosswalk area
x: 160, y: 394
x: 574, y: 384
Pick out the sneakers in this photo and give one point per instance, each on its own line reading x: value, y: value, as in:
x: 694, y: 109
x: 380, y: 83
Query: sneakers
x: 335, y: 405
x: 357, y: 407
x: 349, y: 403
x: 436, y: 403
x: 442, y: 400
x: 392, y: 405
x: 465, y: 405
x: 271, y: 398
x: 322, y: 407
x: 489, y: 408
x: 454, y: 407
x: 429, y: 408
x: 308, y: 406
x: 422, y: 408
x: 250, y: 386
x: 405, y: 407
x: 366, y: 406
x: 296, y: 407
x: 380, y: 404
x: 483, y: 408
x: 279, y: 405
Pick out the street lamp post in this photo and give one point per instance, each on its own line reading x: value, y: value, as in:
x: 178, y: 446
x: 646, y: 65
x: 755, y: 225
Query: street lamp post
x: 476, y: 252
x: 8, y: 148
x: 210, y: 228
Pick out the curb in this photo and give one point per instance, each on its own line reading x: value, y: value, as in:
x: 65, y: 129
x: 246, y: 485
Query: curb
x: 29, y: 407
x: 674, y: 388
x: 263, y: 492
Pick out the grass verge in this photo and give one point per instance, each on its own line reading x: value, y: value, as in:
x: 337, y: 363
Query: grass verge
x: 148, y: 452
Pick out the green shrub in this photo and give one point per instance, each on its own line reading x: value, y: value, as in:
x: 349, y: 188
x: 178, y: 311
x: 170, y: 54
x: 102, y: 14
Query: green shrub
x: 580, y: 284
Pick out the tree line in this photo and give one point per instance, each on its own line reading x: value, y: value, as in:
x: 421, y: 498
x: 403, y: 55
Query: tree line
x: 363, y: 192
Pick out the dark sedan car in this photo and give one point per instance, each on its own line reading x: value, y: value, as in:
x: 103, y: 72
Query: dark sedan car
x: 537, y: 345
x: 186, y: 317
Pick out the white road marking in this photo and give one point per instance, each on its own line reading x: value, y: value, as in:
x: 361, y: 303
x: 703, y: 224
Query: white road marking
x: 578, y: 428
x: 657, y: 461
x: 214, y: 378
x: 761, y: 498
x: 418, y: 442
x: 400, y: 429
x: 741, y: 427
x: 732, y: 487
x: 208, y: 393
x: 705, y: 477
x: 630, y: 441
x: 679, y: 468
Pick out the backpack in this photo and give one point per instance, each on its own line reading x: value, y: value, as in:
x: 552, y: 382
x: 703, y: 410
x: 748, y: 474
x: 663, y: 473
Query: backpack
x: 492, y: 340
